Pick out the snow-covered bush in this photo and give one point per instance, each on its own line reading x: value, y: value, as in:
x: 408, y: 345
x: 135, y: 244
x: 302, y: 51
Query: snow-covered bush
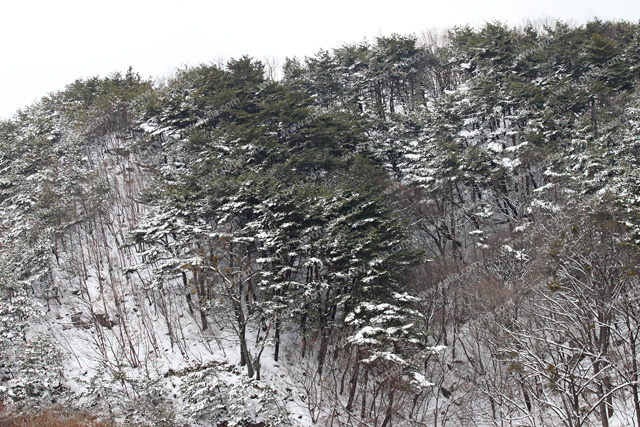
x: 41, y: 369
x: 220, y: 395
x: 127, y: 397
x: 17, y: 314
x: 16, y: 310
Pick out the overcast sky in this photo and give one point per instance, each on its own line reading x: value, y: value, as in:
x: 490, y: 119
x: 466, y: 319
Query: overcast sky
x: 47, y: 44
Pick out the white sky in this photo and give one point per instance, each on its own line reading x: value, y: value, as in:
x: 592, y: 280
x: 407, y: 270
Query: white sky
x: 47, y: 44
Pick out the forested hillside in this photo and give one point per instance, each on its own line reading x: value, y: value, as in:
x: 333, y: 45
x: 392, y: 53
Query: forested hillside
x: 439, y: 231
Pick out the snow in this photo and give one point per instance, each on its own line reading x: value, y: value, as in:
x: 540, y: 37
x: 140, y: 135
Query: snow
x: 495, y: 146
x: 421, y: 381
x: 510, y: 163
x: 516, y: 147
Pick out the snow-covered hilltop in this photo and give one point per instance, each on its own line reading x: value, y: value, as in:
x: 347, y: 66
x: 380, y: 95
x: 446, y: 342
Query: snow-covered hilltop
x: 396, y: 233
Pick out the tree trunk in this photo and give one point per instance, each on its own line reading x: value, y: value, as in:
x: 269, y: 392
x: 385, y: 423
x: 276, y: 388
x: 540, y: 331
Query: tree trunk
x: 344, y: 374
x: 603, y: 347
x: 257, y: 363
x: 245, y: 357
x: 387, y: 418
x: 187, y: 292
x: 276, y: 351
x: 354, y: 381
x: 203, y: 319
x: 604, y: 416
x: 303, y: 322
x: 634, y: 365
x: 634, y: 388
x: 363, y: 410
x: 203, y: 315
x: 323, y: 350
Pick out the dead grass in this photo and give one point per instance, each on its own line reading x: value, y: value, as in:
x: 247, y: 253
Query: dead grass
x: 48, y: 418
